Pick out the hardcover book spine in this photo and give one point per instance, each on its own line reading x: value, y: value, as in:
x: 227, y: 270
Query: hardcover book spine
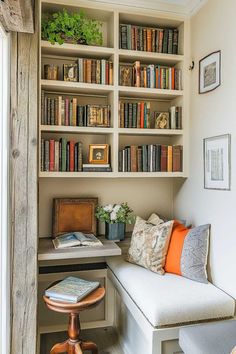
x: 170, y: 41
x: 175, y: 41
x: 163, y: 158
x: 46, y: 160
x: 169, y: 159
x: 80, y: 157
x: 158, y: 158
x: 133, y: 154
x: 145, y: 158
x: 56, y: 166
x: 149, y: 40
x: 72, y: 156
x: 130, y: 109
x: 63, y: 154
x: 165, y: 41
x: 42, y: 155
x: 51, y: 155
x: 177, y: 158
x: 42, y: 107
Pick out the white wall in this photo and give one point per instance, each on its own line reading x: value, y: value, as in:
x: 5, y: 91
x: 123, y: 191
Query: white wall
x: 213, y: 28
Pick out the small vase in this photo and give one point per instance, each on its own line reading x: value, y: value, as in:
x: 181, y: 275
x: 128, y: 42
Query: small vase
x: 115, y: 232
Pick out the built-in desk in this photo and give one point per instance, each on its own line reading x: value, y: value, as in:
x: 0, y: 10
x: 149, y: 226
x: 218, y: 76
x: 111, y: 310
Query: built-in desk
x: 47, y: 252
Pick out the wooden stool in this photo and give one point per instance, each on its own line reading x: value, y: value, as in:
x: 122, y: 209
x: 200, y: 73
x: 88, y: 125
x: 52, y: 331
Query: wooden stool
x: 74, y: 345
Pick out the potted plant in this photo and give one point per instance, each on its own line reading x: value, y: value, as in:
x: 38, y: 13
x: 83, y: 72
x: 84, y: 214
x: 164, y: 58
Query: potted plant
x: 63, y: 26
x: 115, y: 216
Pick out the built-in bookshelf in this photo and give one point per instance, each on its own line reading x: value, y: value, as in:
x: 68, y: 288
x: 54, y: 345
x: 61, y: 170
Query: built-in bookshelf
x: 110, y: 95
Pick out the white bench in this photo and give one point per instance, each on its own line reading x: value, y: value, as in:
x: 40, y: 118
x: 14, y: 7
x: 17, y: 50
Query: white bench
x: 150, y: 309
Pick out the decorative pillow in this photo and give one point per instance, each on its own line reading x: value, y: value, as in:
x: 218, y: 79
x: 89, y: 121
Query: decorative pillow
x: 149, y: 243
x: 188, y: 250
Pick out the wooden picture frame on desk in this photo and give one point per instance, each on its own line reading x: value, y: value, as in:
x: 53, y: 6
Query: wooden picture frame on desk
x: 74, y: 214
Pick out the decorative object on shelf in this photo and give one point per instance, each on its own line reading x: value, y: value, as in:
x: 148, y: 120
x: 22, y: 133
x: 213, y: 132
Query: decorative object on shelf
x: 98, y: 115
x: 76, y: 239
x: 92, y: 167
x: 217, y: 162
x: 70, y: 72
x: 74, y: 214
x: 99, y: 153
x: 77, y: 28
x: 210, y: 72
x: 115, y: 216
x: 51, y: 72
x: 161, y: 120
x: 125, y: 75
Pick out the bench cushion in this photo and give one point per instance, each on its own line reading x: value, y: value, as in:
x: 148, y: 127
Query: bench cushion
x: 170, y: 299
x: 214, y: 338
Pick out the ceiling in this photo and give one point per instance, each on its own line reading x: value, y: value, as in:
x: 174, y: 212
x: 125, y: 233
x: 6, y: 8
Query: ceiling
x: 185, y: 7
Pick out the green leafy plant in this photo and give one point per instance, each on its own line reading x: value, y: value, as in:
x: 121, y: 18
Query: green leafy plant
x: 63, y: 27
x: 115, y: 213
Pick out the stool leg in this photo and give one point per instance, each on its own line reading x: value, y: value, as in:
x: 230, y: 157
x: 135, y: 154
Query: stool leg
x: 59, y: 348
x: 78, y: 349
x: 74, y: 327
x: 90, y: 346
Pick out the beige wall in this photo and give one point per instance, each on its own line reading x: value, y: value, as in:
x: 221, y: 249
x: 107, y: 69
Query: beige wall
x: 214, y: 113
x: 144, y: 195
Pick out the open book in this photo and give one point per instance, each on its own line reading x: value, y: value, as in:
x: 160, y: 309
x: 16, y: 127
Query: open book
x: 74, y: 239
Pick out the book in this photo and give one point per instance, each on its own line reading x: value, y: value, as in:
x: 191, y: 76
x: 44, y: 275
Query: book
x: 71, y: 289
x: 74, y: 239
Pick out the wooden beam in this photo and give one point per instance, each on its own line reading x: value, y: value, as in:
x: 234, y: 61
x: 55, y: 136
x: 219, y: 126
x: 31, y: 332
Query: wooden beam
x: 23, y: 171
x: 17, y: 15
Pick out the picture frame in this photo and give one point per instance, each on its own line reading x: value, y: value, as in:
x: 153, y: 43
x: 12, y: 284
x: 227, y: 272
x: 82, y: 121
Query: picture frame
x: 217, y: 162
x: 70, y: 72
x: 210, y: 72
x: 161, y: 120
x: 74, y: 214
x: 99, y: 153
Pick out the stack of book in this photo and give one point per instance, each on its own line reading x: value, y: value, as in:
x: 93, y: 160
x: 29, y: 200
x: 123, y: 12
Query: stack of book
x: 151, y: 158
x: 95, y: 71
x: 151, y: 76
x: 175, y: 117
x: 62, y: 155
x: 134, y: 114
x: 159, y: 40
x: 71, y: 289
x: 76, y: 239
x: 66, y: 111
x: 92, y: 167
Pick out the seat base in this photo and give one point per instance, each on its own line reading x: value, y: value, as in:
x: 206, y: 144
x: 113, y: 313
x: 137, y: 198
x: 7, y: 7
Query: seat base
x: 74, y: 347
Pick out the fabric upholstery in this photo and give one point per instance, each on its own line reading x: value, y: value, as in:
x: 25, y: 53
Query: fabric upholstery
x: 149, y: 243
x: 187, y: 253
x: 213, y: 338
x: 170, y: 299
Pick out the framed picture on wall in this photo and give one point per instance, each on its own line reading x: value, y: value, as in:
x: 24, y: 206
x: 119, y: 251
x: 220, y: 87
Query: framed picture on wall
x: 210, y: 72
x: 217, y: 162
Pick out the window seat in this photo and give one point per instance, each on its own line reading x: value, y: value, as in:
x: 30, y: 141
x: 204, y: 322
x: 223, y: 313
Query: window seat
x: 169, y: 300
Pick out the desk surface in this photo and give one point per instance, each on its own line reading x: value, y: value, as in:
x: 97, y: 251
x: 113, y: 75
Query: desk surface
x: 47, y: 252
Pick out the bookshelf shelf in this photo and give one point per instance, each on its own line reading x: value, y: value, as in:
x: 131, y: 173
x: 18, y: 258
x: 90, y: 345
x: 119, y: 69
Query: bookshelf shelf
x: 75, y: 87
x: 155, y: 132
x: 159, y: 58
x: 75, y: 130
x: 73, y: 50
x: 142, y: 92
x: 109, y: 174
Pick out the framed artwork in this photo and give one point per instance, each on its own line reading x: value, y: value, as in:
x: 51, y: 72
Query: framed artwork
x: 217, y: 162
x: 161, y: 120
x: 99, y: 153
x: 74, y: 214
x: 210, y: 72
x: 70, y: 72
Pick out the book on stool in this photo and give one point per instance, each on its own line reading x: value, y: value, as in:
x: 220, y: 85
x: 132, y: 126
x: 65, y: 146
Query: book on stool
x: 71, y: 289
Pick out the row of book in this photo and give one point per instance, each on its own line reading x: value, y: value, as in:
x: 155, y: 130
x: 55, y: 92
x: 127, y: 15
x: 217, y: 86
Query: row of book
x: 159, y: 40
x: 137, y: 115
x: 62, y: 110
x: 151, y: 158
x: 151, y: 76
x: 61, y: 155
x: 95, y: 71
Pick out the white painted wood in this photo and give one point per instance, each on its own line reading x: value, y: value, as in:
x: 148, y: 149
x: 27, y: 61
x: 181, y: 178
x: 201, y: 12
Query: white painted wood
x: 47, y: 252
x: 112, y: 174
x: 142, y: 92
x: 75, y: 87
x: 4, y: 195
x: 69, y: 129
x: 160, y: 58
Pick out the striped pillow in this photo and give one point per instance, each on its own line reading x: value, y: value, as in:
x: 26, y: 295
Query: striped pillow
x: 187, y: 253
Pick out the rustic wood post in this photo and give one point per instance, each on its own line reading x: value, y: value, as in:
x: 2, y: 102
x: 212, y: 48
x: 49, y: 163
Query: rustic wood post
x: 23, y: 171
x: 17, y: 15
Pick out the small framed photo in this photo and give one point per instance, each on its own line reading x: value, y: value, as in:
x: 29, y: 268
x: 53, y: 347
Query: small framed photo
x: 161, y: 120
x: 70, y: 72
x: 99, y: 153
x: 210, y: 72
x: 217, y: 162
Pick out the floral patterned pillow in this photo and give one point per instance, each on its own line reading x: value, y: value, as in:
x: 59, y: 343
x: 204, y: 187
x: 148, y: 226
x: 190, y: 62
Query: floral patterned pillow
x: 149, y: 243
